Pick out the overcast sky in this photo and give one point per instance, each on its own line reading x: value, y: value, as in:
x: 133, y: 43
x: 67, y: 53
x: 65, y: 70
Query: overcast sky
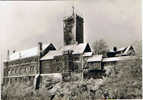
x: 23, y: 24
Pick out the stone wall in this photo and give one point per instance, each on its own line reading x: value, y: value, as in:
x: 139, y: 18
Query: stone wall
x: 94, y: 65
x: 61, y: 64
x: 26, y: 66
x: 53, y: 65
x: 10, y: 81
x: 68, y: 30
x: 79, y: 29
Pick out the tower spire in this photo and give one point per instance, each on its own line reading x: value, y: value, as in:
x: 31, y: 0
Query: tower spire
x: 73, y: 10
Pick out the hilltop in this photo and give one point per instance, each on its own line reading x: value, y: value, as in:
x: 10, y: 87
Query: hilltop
x: 122, y: 81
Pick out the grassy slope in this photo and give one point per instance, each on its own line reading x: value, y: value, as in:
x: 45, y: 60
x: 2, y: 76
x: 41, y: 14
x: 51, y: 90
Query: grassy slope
x: 125, y: 81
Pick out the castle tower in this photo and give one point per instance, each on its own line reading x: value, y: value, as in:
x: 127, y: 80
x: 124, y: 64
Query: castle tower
x: 73, y: 29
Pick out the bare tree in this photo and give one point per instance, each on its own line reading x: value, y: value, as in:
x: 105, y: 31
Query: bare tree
x: 138, y: 48
x: 100, y: 47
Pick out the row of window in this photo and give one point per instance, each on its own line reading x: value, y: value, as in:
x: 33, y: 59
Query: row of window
x: 26, y: 60
x: 18, y: 79
x: 21, y: 64
x: 50, y: 67
x: 94, y: 65
x: 22, y: 70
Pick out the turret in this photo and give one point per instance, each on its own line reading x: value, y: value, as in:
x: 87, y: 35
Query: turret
x: 73, y: 29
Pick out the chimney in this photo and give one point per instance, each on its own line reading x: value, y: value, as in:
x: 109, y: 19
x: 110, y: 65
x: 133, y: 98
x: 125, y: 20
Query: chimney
x: 7, y: 55
x: 39, y: 48
x: 14, y: 51
x: 114, y: 49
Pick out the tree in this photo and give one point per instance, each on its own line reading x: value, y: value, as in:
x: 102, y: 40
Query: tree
x: 100, y: 47
x: 138, y: 48
x: 125, y: 82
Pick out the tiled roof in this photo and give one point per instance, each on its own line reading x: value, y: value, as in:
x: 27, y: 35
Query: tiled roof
x: 119, y: 49
x: 95, y: 58
x: 127, y: 49
x: 88, y: 54
x: 76, y: 48
x: 26, y: 53
x: 118, y: 58
x: 124, y: 50
x: 52, y: 54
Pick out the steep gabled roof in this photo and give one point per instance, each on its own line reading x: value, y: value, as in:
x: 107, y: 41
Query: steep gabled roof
x: 127, y: 49
x: 77, y: 48
x: 28, y: 52
x: 52, y: 54
x: 122, y: 51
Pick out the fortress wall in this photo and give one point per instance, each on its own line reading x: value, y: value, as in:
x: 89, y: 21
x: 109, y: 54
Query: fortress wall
x: 26, y: 66
x: 53, y: 65
x: 7, y: 81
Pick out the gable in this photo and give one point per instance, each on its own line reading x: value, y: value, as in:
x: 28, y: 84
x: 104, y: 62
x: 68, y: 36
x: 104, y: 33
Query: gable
x: 87, y: 48
x: 46, y: 50
x: 81, y: 48
x: 77, y: 48
x: 125, y: 51
x: 129, y: 51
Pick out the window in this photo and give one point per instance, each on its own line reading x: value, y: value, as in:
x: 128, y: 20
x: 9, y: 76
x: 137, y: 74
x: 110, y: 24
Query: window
x: 58, y: 68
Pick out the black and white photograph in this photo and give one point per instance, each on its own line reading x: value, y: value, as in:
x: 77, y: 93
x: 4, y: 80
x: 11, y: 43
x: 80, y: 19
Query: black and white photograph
x: 71, y: 50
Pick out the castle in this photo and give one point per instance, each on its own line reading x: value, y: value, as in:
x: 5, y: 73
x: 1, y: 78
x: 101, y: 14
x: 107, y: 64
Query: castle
x: 73, y: 57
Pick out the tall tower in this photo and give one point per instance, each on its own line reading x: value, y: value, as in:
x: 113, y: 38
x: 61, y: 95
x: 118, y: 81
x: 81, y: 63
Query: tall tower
x: 73, y: 29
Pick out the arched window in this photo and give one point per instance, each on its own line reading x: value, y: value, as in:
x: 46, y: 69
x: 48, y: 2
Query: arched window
x: 30, y: 69
x: 7, y: 80
x: 15, y: 79
x: 10, y: 80
x: 15, y: 71
x: 29, y: 78
x: 11, y: 72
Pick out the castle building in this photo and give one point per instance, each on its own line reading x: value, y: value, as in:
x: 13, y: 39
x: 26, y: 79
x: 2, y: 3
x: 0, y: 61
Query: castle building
x: 124, y: 51
x: 44, y: 59
x: 74, y: 56
x: 56, y: 61
x: 73, y: 29
x: 25, y: 63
